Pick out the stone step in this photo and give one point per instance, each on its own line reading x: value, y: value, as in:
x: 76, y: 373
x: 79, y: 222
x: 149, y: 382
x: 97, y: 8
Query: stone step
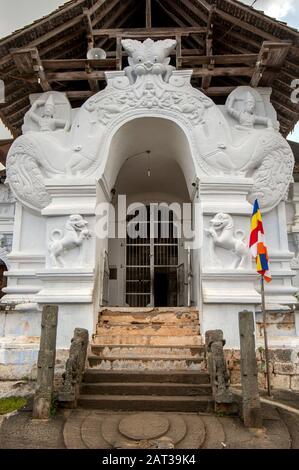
x: 146, y: 363
x: 145, y: 388
x: 176, y: 377
x: 128, y: 339
x: 147, y: 403
x: 130, y: 310
x: 127, y: 351
x: 153, y: 330
x: 152, y: 317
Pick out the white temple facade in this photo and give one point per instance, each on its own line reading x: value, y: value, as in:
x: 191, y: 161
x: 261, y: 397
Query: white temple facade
x: 80, y: 175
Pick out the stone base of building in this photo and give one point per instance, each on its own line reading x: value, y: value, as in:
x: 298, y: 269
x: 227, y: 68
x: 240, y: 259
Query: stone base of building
x: 18, y: 359
x: 284, y: 366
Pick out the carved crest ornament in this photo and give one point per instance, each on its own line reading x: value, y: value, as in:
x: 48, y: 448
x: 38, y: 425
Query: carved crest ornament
x: 241, y: 138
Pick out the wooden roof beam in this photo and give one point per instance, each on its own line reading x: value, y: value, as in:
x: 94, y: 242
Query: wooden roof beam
x: 107, y: 9
x: 272, y: 54
x: 122, y: 14
x: 243, y: 24
x: 284, y: 109
x: 206, y: 81
x: 59, y: 29
x: 229, y: 59
x: 88, y: 25
x: 259, y: 66
x: 224, y: 71
x: 78, y: 75
x: 196, y: 11
x: 93, y: 84
x: 42, y: 21
x: 58, y: 64
x: 28, y: 60
x: 39, y: 69
x: 197, y: 72
x: 81, y: 94
x: 171, y: 15
x: 92, y: 10
x: 219, y: 90
x: 148, y: 14
x: 277, y: 53
x: 255, y: 13
x: 153, y: 32
x: 177, y: 10
x: 167, y: 9
x: 43, y: 50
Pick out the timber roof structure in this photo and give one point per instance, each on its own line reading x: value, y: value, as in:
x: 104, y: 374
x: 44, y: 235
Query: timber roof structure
x: 225, y: 42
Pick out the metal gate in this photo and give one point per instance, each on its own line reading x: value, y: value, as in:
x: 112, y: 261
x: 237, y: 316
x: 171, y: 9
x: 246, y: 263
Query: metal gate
x: 152, y: 260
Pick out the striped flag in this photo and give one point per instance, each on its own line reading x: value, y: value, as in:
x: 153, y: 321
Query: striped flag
x: 257, y: 243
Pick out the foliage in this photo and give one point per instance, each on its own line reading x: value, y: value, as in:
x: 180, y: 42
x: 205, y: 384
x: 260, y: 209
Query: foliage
x: 7, y: 405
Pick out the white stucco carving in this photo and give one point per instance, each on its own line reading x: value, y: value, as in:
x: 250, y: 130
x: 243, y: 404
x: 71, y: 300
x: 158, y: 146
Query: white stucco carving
x: 231, y: 154
x: 238, y: 139
x: 221, y: 234
x: 5, y: 195
x: 24, y: 173
x: 75, y: 232
x: 148, y: 57
x: 49, y: 112
x: 242, y: 106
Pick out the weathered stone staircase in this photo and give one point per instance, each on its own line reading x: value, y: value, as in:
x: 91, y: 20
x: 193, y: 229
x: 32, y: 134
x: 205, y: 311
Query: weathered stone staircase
x: 147, y: 359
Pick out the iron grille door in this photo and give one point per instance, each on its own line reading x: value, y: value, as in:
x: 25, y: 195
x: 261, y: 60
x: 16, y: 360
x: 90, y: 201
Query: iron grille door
x: 154, y: 252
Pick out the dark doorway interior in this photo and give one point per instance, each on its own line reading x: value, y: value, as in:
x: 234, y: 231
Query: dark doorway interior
x: 165, y: 287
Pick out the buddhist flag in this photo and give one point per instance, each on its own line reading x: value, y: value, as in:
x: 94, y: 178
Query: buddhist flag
x: 257, y: 243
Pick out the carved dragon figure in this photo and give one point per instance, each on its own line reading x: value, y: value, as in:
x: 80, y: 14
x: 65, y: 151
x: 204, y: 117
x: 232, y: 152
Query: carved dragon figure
x: 221, y: 233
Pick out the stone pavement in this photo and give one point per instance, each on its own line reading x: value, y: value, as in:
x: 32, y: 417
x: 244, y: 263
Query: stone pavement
x: 93, y: 429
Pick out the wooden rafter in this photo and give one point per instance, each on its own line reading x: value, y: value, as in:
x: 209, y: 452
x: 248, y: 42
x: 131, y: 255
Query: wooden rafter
x: 178, y: 22
x: 93, y: 84
x: 109, y: 6
x: 153, y: 32
x: 240, y: 23
x: 206, y: 81
x: 232, y: 50
x: 95, y: 7
x: 148, y: 14
x: 26, y: 60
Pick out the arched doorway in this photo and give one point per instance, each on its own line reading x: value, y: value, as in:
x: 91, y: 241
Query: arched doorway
x: 150, y: 166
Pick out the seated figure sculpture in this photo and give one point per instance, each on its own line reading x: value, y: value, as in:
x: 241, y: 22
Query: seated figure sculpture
x: 247, y: 117
x: 47, y: 120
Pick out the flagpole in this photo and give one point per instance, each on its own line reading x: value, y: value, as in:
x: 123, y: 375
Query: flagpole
x: 265, y: 335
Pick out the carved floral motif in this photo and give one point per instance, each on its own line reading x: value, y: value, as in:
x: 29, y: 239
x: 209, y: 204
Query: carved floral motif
x: 151, y: 97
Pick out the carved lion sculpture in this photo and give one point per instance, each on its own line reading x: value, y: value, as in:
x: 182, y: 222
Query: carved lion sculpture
x: 74, y: 233
x: 222, y: 234
x: 148, y: 57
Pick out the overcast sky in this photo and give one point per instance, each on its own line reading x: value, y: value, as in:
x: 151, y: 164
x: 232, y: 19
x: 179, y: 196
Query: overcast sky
x: 17, y: 13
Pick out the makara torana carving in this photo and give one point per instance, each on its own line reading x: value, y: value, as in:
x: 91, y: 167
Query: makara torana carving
x: 241, y: 138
